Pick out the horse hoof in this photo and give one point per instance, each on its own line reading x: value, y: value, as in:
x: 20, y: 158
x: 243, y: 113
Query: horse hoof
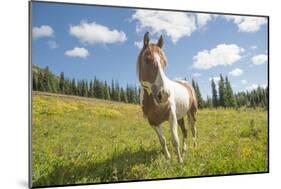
x: 168, y: 156
x: 184, y: 148
x: 195, y: 145
x: 180, y: 160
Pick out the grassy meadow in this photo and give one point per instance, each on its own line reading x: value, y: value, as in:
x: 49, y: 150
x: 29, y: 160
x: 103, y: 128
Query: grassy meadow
x: 79, y: 140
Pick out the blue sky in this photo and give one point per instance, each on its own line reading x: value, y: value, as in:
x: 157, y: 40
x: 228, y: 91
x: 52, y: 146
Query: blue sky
x: 90, y: 41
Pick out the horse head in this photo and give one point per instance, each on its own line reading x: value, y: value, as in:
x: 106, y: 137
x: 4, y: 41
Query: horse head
x: 150, y: 69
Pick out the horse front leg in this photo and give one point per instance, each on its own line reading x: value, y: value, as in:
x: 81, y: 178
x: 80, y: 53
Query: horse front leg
x: 162, y: 140
x: 174, y: 131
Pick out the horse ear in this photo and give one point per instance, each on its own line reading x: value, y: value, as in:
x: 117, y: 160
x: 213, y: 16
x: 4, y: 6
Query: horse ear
x: 160, y: 42
x: 146, y: 39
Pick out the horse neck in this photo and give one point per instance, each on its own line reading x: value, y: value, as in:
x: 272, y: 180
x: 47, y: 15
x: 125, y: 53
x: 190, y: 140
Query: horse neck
x: 162, y: 79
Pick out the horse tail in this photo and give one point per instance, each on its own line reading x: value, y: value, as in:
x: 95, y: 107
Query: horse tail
x: 194, y: 106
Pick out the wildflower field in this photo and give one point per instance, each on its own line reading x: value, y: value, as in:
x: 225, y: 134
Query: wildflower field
x: 79, y: 140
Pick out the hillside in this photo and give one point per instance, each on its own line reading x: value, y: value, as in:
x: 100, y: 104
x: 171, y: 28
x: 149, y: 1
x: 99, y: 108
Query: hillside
x: 44, y: 80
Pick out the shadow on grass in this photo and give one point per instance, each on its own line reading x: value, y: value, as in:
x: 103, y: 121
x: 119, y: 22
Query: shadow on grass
x: 118, y: 168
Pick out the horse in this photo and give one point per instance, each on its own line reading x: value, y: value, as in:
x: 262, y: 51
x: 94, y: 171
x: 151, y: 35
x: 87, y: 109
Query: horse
x: 162, y: 99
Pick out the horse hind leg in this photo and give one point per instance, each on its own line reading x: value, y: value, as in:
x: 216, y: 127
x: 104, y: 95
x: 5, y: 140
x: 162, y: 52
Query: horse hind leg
x: 191, y: 122
x: 162, y: 140
x: 184, y: 133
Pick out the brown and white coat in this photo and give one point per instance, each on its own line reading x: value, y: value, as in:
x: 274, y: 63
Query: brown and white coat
x: 163, y: 99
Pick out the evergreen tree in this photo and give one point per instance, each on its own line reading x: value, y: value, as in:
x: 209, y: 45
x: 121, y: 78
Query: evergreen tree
x: 199, y: 97
x: 61, y: 83
x: 96, y: 88
x: 123, y: 95
x: 40, y: 84
x: 73, y: 87
x: 34, y: 82
x: 229, y: 97
x: 221, y: 92
x: 136, y: 95
x: 241, y: 99
x: 112, y: 91
x: 252, y: 101
x: 101, y: 90
x: 46, y: 80
x: 129, y: 96
x: 214, y: 94
x: 91, y: 89
x: 254, y: 98
x: 86, y: 87
x: 106, y: 91
x: 117, y: 92
x: 132, y: 94
x: 67, y: 88
x: 139, y: 95
x: 266, y: 97
x: 79, y: 88
x: 200, y: 100
x: 209, y: 102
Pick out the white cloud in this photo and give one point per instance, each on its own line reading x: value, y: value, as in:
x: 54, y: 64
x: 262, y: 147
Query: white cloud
x: 255, y: 86
x: 174, y: 24
x: 77, y: 52
x: 236, y: 72
x: 53, y: 44
x: 138, y: 44
x: 203, y: 19
x: 259, y: 59
x: 92, y: 33
x: 252, y: 87
x: 216, y: 79
x: 247, y: 23
x: 244, y: 82
x: 196, y: 74
x: 42, y: 31
x: 222, y: 54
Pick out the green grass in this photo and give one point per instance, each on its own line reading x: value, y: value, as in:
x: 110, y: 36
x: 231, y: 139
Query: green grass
x: 79, y: 140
